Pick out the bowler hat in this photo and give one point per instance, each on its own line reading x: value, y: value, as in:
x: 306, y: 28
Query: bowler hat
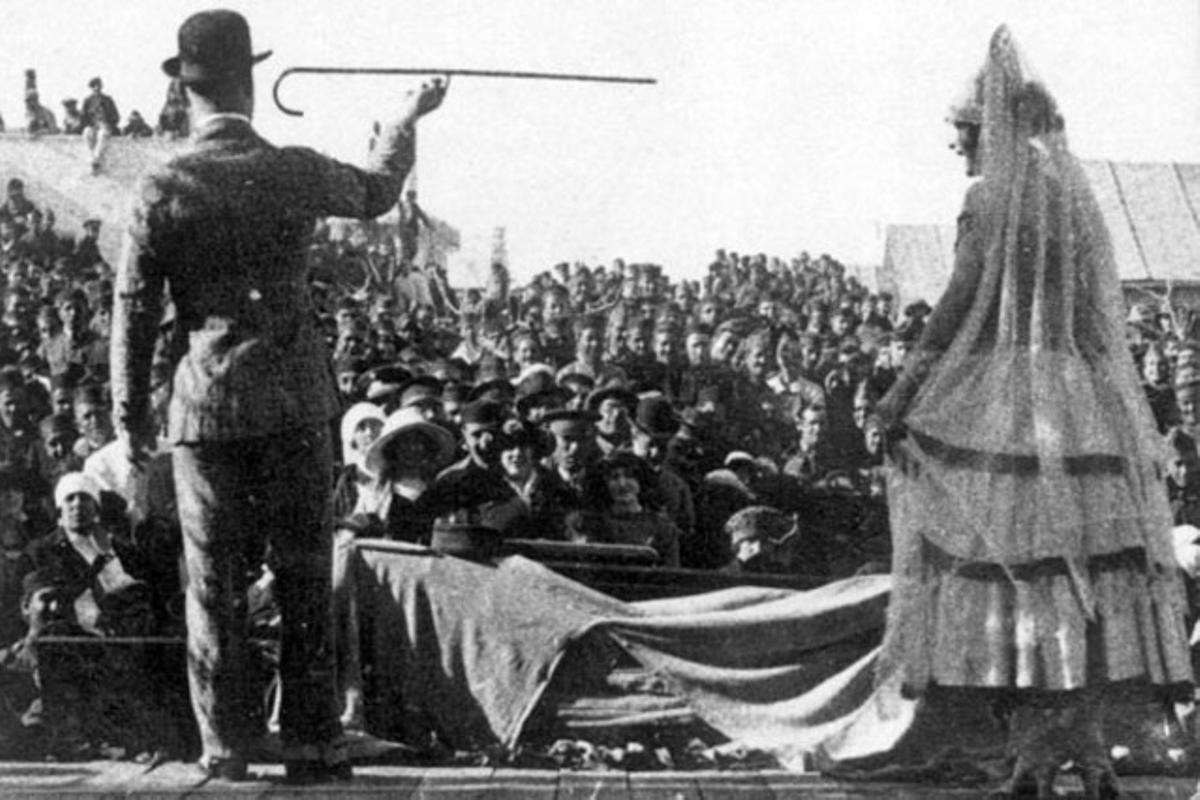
x: 212, y: 45
x: 656, y: 417
x: 483, y: 412
x: 568, y: 418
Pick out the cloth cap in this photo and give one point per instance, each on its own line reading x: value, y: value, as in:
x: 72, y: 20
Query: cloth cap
x: 566, y: 378
x: 74, y: 483
x: 534, y: 379
x: 739, y: 457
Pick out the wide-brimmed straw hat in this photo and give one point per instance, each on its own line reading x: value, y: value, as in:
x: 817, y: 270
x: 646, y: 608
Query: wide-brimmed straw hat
x: 408, y: 422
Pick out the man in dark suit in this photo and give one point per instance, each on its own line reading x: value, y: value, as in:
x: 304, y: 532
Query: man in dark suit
x: 224, y: 228
x: 100, y: 120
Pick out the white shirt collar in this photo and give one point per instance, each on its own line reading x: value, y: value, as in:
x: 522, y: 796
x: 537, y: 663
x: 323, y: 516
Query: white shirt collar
x: 225, y: 115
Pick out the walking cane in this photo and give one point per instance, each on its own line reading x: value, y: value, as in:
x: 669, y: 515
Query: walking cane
x: 470, y: 73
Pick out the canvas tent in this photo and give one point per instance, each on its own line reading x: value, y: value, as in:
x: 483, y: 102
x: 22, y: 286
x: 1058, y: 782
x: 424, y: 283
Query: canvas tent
x: 1153, y: 215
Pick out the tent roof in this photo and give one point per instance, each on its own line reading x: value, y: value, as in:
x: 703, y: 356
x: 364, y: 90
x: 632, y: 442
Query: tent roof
x: 1152, y: 211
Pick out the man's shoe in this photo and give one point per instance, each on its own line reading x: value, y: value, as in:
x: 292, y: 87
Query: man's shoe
x: 232, y: 770
x: 299, y: 773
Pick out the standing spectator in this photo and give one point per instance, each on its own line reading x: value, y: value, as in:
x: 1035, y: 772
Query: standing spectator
x: 100, y: 120
x: 253, y: 397
x: 412, y: 219
x: 173, y: 119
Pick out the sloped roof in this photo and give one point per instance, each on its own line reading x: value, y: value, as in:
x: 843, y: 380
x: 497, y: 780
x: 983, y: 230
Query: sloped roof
x: 1152, y: 211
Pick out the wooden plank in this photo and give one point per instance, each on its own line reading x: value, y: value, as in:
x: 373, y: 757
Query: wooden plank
x: 599, y: 785
x: 374, y: 782
x: 116, y: 775
x: 519, y: 784
x: 732, y: 786
x: 464, y: 782
x: 30, y: 777
x: 662, y: 786
x: 178, y: 779
x: 394, y: 781
x: 798, y: 784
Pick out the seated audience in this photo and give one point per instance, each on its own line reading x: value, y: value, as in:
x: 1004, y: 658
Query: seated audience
x: 618, y: 509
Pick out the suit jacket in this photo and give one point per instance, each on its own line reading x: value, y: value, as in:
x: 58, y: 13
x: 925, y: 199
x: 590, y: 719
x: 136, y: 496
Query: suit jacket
x: 224, y: 229
x: 99, y: 109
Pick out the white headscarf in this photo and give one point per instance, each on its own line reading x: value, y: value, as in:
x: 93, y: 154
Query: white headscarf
x: 356, y: 415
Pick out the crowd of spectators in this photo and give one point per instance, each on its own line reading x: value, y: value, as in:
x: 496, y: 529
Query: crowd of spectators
x: 717, y: 425
x: 97, y: 118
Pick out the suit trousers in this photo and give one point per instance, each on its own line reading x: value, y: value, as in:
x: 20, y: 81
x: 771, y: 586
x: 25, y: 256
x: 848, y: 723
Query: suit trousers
x: 242, y: 503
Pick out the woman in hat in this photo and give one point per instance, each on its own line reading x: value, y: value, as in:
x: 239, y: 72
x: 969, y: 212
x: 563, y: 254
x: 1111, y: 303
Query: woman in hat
x: 620, y: 509
x: 404, y: 460
x: 361, y: 425
x: 532, y: 512
x: 1033, y: 562
x: 614, y: 405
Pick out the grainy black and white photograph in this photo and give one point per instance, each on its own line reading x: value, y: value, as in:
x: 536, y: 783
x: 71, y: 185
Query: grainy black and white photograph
x: 604, y: 399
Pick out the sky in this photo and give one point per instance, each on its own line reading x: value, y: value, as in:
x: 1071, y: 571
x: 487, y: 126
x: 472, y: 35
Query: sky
x: 776, y: 125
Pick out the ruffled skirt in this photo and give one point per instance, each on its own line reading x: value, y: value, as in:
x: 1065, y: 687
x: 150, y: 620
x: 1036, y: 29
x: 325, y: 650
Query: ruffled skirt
x: 1037, y: 626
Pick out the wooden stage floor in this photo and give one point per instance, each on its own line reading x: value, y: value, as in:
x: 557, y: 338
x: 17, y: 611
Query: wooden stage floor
x: 109, y: 779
